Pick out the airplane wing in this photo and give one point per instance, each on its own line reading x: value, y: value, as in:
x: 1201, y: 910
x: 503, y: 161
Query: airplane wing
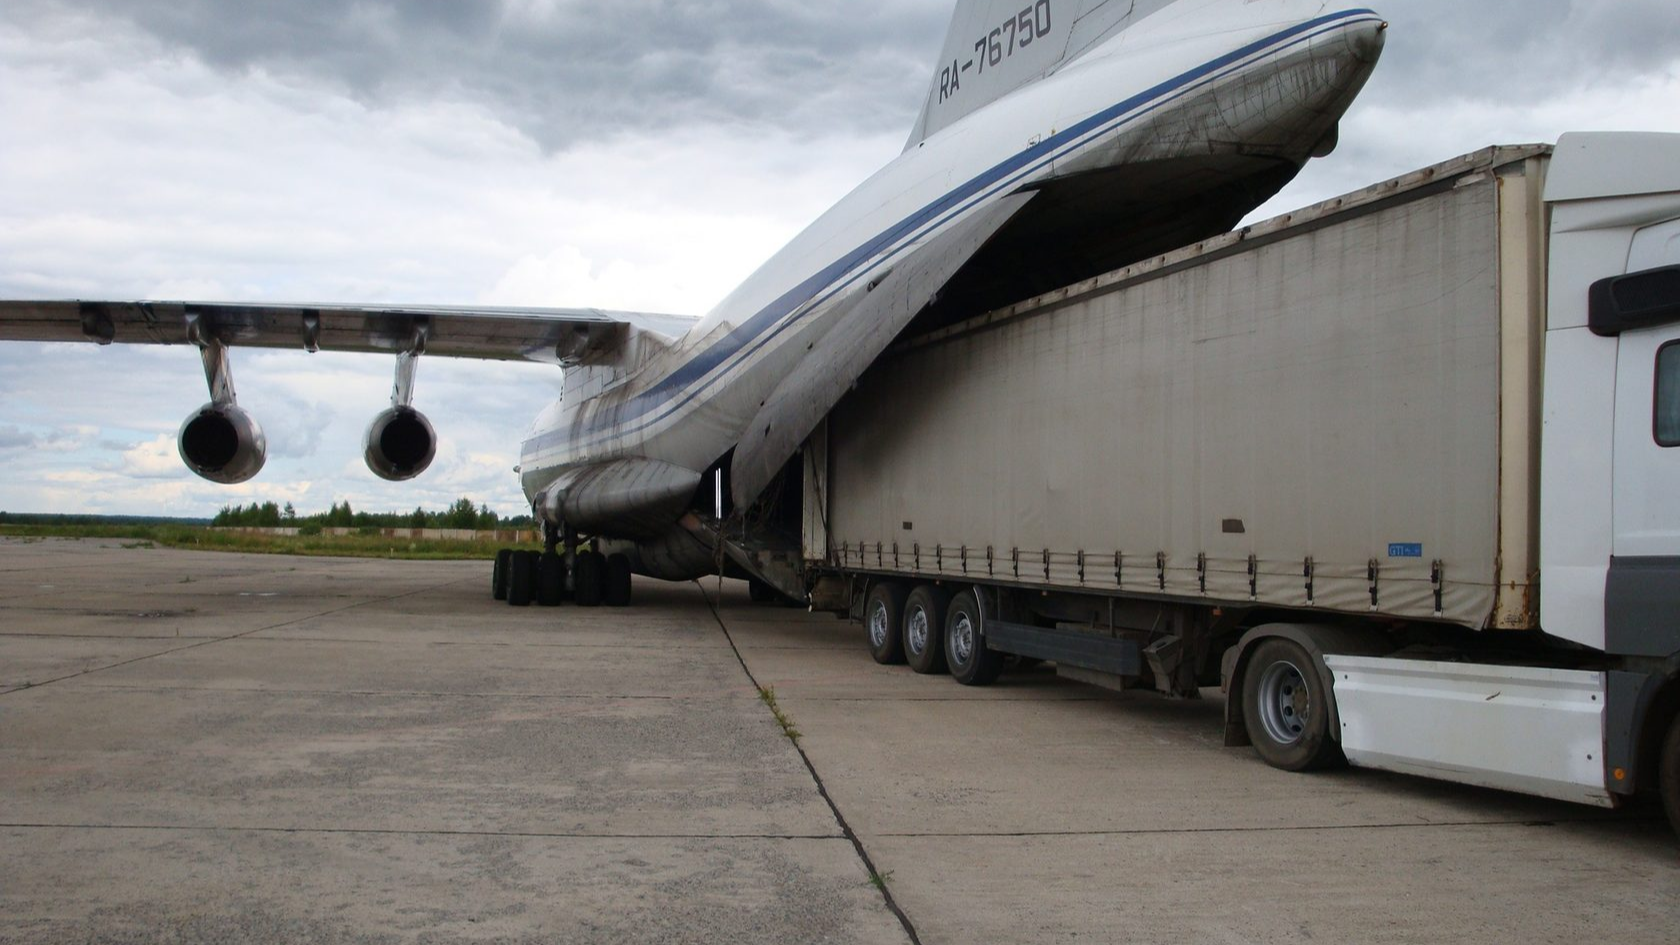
x: 551, y: 335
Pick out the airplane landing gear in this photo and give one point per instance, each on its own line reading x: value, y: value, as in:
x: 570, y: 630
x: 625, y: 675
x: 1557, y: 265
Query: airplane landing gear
x: 563, y: 570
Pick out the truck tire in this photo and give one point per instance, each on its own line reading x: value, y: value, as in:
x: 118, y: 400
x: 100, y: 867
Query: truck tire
x: 883, y: 621
x: 1284, y: 708
x: 498, y: 574
x: 551, y: 579
x: 521, y: 578
x: 1668, y: 774
x: 924, y: 629
x: 589, y: 578
x: 617, y: 581
x: 972, y: 662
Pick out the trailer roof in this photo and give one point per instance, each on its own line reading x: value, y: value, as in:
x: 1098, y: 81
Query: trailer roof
x: 1407, y: 186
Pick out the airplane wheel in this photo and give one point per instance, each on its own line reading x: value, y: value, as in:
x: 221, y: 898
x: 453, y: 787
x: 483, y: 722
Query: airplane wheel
x: 924, y: 629
x: 589, y: 578
x: 617, y: 589
x: 498, y: 574
x: 883, y: 618
x: 522, y: 572
x: 551, y: 579
x: 760, y: 592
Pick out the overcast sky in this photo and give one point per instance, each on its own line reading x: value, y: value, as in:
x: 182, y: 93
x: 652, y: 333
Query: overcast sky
x: 635, y: 154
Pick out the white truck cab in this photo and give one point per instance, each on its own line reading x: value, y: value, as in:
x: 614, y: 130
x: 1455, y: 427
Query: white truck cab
x: 1610, y: 465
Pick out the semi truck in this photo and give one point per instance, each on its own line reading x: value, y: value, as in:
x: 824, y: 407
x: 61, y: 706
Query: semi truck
x: 1399, y: 472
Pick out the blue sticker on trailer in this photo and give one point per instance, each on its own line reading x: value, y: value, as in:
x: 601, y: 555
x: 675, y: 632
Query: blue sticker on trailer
x: 1405, y: 550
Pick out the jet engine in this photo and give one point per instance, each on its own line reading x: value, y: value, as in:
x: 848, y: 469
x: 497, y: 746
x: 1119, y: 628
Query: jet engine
x: 400, y: 444
x: 223, y: 444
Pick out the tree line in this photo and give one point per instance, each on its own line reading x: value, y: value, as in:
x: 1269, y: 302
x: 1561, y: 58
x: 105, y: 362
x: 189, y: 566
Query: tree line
x: 461, y: 514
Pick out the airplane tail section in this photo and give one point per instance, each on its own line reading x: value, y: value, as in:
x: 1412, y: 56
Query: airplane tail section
x: 994, y: 47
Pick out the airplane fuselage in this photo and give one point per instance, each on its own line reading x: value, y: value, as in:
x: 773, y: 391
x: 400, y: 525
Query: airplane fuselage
x: 1221, y: 82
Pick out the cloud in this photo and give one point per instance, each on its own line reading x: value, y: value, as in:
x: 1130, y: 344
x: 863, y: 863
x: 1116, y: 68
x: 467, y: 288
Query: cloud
x: 634, y: 154
x: 294, y: 427
x: 561, y: 71
x: 14, y: 438
x: 156, y: 458
x: 1520, y: 52
x: 65, y: 440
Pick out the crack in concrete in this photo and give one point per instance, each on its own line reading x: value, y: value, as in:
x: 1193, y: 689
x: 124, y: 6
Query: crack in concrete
x: 875, y: 876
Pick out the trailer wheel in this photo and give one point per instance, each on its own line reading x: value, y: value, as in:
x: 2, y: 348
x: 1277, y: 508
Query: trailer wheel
x: 498, y: 574
x: 883, y: 618
x: 1668, y: 774
x: 972, y: 662
x: 924, y: 629
x: 1284, y: 708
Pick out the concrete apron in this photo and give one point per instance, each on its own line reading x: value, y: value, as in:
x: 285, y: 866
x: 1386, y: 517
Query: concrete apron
x: 207, y: 747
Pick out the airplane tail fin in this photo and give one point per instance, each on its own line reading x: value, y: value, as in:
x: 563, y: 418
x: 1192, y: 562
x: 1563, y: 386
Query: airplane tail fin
x: 994, y: 47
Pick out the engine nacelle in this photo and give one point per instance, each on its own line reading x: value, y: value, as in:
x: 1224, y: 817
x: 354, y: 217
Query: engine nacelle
x: 223, y: 444
x: 400, y: 444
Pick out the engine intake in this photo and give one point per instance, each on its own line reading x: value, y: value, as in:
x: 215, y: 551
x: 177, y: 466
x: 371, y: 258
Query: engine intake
x: 223, y: 444
x: 400, y: 444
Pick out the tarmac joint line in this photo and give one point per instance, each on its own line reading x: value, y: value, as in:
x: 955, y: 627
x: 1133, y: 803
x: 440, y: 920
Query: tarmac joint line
x: 877, y: 879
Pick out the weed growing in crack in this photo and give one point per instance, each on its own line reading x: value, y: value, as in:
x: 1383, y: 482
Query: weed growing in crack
x: 767, y: 695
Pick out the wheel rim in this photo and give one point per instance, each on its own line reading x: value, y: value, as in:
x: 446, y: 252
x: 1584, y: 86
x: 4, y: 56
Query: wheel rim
x: 878, y: 625
x: 962, y: 639
x: 916, y: 631
x: 1285, y: 703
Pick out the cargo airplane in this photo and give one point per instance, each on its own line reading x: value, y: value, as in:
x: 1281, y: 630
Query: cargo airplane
x: 1058, y: 139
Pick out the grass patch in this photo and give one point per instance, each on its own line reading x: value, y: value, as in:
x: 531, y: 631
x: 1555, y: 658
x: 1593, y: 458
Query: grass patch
x: 200, y: 538
x: 879, y: 880
x: 767, y: 695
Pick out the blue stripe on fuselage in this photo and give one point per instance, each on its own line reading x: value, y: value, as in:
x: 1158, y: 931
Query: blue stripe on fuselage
x: 740, y: 340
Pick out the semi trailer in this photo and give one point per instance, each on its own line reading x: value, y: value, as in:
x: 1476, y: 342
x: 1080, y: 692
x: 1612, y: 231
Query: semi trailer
x: 1399, y: 472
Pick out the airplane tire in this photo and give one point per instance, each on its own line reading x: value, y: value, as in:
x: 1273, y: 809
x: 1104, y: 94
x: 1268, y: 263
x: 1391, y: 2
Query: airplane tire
x: 522, y: 568
x: 1285, y: 709
x: 924, y: 629
x: 617, y: 589
x: 760, y: 592
x: 551, y: 579
x: 883, y: 622
x: 972, y: 662
x: 498, y: 574
x: 589, y: 578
